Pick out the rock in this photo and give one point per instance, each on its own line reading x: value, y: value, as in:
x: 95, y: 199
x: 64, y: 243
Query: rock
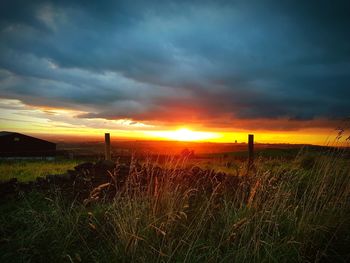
x: 25, y: 187
x: 58, y: 178
x: 105, y: 165
x: 8, y: 187
x: 72, y: 174
x: 102, y: 169
x: 41, y: 180
x: 84, y: 166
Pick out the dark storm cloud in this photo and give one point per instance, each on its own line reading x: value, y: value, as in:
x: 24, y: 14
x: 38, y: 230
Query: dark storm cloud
x: 198, y: 61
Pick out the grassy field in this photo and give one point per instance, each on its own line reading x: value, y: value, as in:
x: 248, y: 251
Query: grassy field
x: 294, y: 210
x: 28, y: 170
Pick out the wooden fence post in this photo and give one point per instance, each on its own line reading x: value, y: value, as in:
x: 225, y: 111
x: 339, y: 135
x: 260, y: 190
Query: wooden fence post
x: 250, y: 150
x: 107, y: 147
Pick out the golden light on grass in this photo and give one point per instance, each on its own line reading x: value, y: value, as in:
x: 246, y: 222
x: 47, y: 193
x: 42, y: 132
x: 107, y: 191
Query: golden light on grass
x: 185, y: 134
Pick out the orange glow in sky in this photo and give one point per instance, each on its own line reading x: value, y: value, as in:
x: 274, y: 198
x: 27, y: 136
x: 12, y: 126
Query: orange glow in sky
x: 185, y: 134
x: 60, y: 124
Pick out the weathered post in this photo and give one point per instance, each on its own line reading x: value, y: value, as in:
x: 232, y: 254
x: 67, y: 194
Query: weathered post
x: 250, y: 150
x: 107, y: 147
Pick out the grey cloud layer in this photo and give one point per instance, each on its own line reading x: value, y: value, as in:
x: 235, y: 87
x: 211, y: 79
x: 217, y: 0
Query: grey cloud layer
x: 201, y: 60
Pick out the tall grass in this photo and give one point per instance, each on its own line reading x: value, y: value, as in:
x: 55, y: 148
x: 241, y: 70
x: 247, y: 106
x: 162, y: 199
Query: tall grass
x: 287, y: 213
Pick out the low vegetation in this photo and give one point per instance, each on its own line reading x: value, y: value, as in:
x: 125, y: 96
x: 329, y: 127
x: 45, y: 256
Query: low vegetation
x: 281, y: 211
x: 29, y: 170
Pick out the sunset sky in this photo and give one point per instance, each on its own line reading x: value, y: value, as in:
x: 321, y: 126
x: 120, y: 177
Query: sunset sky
x: 195, y: 70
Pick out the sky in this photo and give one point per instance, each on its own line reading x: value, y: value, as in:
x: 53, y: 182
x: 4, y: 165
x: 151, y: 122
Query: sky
x: 154, y: 69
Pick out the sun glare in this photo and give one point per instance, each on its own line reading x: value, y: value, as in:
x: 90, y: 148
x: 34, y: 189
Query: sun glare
x: 185, y: 134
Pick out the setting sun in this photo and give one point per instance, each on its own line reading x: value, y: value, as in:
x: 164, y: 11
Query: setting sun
x: 185, y: 134
x: 178, y: 131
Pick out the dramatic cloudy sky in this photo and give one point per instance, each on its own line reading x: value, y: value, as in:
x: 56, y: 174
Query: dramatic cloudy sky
x: 214, y: 65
